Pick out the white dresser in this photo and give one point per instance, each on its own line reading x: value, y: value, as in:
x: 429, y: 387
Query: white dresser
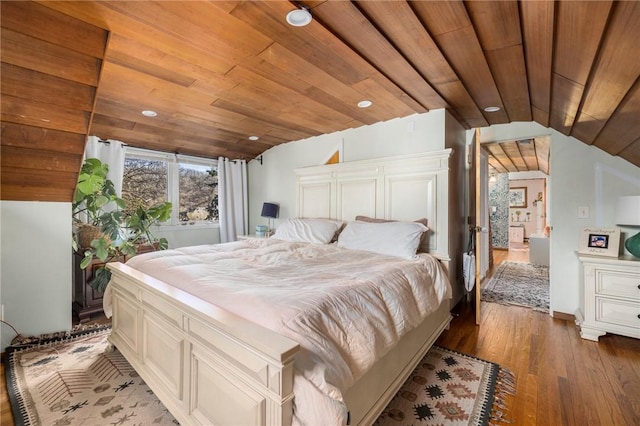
x: 611, y: 299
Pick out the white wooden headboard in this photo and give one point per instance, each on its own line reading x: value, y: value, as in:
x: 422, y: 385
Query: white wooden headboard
x: 406, y: 187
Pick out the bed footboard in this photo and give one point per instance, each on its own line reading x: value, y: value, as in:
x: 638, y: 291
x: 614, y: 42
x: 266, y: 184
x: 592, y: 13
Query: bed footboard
x: 206, y: 365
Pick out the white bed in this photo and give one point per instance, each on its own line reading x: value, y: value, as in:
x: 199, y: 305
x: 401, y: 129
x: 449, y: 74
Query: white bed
x: 211, y: 360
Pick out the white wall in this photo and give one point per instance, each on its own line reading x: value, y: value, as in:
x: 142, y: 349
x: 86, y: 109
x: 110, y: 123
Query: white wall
x: 35, y: 259
x: 580, y: 175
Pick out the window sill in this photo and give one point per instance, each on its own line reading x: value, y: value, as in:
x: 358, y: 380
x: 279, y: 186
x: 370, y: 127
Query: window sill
x: 197, y: 225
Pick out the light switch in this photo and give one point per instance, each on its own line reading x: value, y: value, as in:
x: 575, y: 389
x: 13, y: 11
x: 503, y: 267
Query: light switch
x: 583, y: 212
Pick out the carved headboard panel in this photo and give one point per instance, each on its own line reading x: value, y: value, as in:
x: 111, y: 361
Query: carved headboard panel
x: 400, y: 188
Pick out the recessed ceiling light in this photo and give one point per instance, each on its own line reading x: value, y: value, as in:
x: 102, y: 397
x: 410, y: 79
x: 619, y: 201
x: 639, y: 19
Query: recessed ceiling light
x: 364, y: 104
x: 149, y: 113
x: 254, y: 138
x: 492, y: 109
x: 299, y: 17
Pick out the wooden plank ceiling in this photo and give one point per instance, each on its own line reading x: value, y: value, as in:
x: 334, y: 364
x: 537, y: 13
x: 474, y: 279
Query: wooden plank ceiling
x: 218, y: 72
x: 519, y: 156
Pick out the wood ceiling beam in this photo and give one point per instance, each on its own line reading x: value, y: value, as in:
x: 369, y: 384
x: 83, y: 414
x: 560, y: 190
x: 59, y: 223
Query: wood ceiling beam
x: 512, y: 151
x: 614, y: 73
x: 497, y: 24
x: 543, y: 150
x: 497, y: 150
x: 423, y: 54
x: 623, y: 128
x: 537, y: 32
x: 528, y: 152
x: 579, y: 30
x: 348, y: 22
x: 454, y: 34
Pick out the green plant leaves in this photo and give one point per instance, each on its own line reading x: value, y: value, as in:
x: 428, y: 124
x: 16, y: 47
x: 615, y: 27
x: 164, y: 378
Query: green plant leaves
x: 88, y: 184
x: 101, y: 279
x: 86, y: 260
x: 128, y: 248
x: 161, y: 212
x: 103, y: 248
x: 163, y: 244
x: 110, y: 223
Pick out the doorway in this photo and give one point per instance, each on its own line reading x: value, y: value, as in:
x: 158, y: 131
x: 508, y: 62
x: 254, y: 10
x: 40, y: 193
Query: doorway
x: 516, y: 181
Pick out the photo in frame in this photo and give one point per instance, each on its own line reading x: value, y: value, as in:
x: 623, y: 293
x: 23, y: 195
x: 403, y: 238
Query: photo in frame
x: 600, y: 242
x: 518, y: 197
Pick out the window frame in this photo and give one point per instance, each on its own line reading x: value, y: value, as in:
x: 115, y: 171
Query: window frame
x: 173, y: 162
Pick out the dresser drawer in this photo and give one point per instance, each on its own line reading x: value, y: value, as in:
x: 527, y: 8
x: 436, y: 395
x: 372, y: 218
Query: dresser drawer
x: 618, y: 283
x: 618, y: 312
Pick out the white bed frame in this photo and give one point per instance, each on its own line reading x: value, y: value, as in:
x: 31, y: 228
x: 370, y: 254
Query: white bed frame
x: 208, y: 366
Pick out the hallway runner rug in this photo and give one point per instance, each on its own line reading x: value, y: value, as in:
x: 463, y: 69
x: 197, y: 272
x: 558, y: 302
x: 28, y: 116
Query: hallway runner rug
x: 518, y: 283
x: 76, y: 380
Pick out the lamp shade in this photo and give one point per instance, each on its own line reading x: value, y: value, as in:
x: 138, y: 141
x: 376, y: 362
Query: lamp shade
x: 628, y: 211
x: 270, y: 210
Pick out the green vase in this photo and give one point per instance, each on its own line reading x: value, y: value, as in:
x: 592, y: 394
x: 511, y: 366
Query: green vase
x: 633, y: 245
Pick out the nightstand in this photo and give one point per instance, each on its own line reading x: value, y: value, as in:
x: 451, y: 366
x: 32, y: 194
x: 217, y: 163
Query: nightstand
x: 611, y: 297
x: 250, y: 237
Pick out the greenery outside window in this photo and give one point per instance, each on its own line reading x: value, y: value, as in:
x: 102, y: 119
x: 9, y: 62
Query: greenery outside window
x: 191, y: 183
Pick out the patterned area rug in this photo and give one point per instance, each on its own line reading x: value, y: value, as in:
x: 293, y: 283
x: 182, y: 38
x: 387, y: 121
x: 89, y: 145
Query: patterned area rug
x: 522, y: 284
x: 73, y: 379
x: 450, y: 388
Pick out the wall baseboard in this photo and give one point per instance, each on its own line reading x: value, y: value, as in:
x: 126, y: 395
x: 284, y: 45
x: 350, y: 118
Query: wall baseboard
x: 564, y: 316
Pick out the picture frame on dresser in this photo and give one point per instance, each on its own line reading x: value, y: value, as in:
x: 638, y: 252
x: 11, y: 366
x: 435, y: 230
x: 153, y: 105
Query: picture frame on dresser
x: 599, y: 242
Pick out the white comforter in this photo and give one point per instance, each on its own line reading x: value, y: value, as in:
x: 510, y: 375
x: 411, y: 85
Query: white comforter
x: 345, y: 308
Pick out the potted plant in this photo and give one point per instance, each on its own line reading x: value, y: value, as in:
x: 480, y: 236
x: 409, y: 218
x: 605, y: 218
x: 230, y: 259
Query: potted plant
x: 103, y: 231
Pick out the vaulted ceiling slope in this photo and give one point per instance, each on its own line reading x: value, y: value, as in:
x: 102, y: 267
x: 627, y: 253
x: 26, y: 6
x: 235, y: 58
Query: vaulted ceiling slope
x: 218, y: 72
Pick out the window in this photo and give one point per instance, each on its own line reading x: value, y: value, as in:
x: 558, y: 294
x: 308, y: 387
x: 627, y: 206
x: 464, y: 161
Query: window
x: 144, y: 183
x: 189, y: 183
x: 198, y: 189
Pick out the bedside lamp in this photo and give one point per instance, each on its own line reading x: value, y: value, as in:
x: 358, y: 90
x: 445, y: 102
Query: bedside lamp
x: 628, y: 213
x: 270, y: 210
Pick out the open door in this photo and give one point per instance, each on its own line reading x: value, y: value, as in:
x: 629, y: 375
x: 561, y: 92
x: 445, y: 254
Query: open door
x: 476, y: 218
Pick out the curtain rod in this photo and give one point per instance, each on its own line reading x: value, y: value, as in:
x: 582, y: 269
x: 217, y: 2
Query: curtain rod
x: 107, y: 142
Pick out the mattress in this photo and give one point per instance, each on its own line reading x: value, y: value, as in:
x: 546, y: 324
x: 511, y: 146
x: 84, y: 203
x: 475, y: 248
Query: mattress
x: 346, y: 308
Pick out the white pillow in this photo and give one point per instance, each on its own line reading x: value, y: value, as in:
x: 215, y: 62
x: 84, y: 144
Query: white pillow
x: 320, y: 231
x: 423, y: 247
x: 400, y: 239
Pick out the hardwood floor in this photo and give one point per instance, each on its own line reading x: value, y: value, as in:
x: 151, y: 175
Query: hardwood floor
x: 561, y: 379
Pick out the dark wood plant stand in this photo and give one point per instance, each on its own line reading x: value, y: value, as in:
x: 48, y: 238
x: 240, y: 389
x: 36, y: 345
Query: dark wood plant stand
x: 86, y: 300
